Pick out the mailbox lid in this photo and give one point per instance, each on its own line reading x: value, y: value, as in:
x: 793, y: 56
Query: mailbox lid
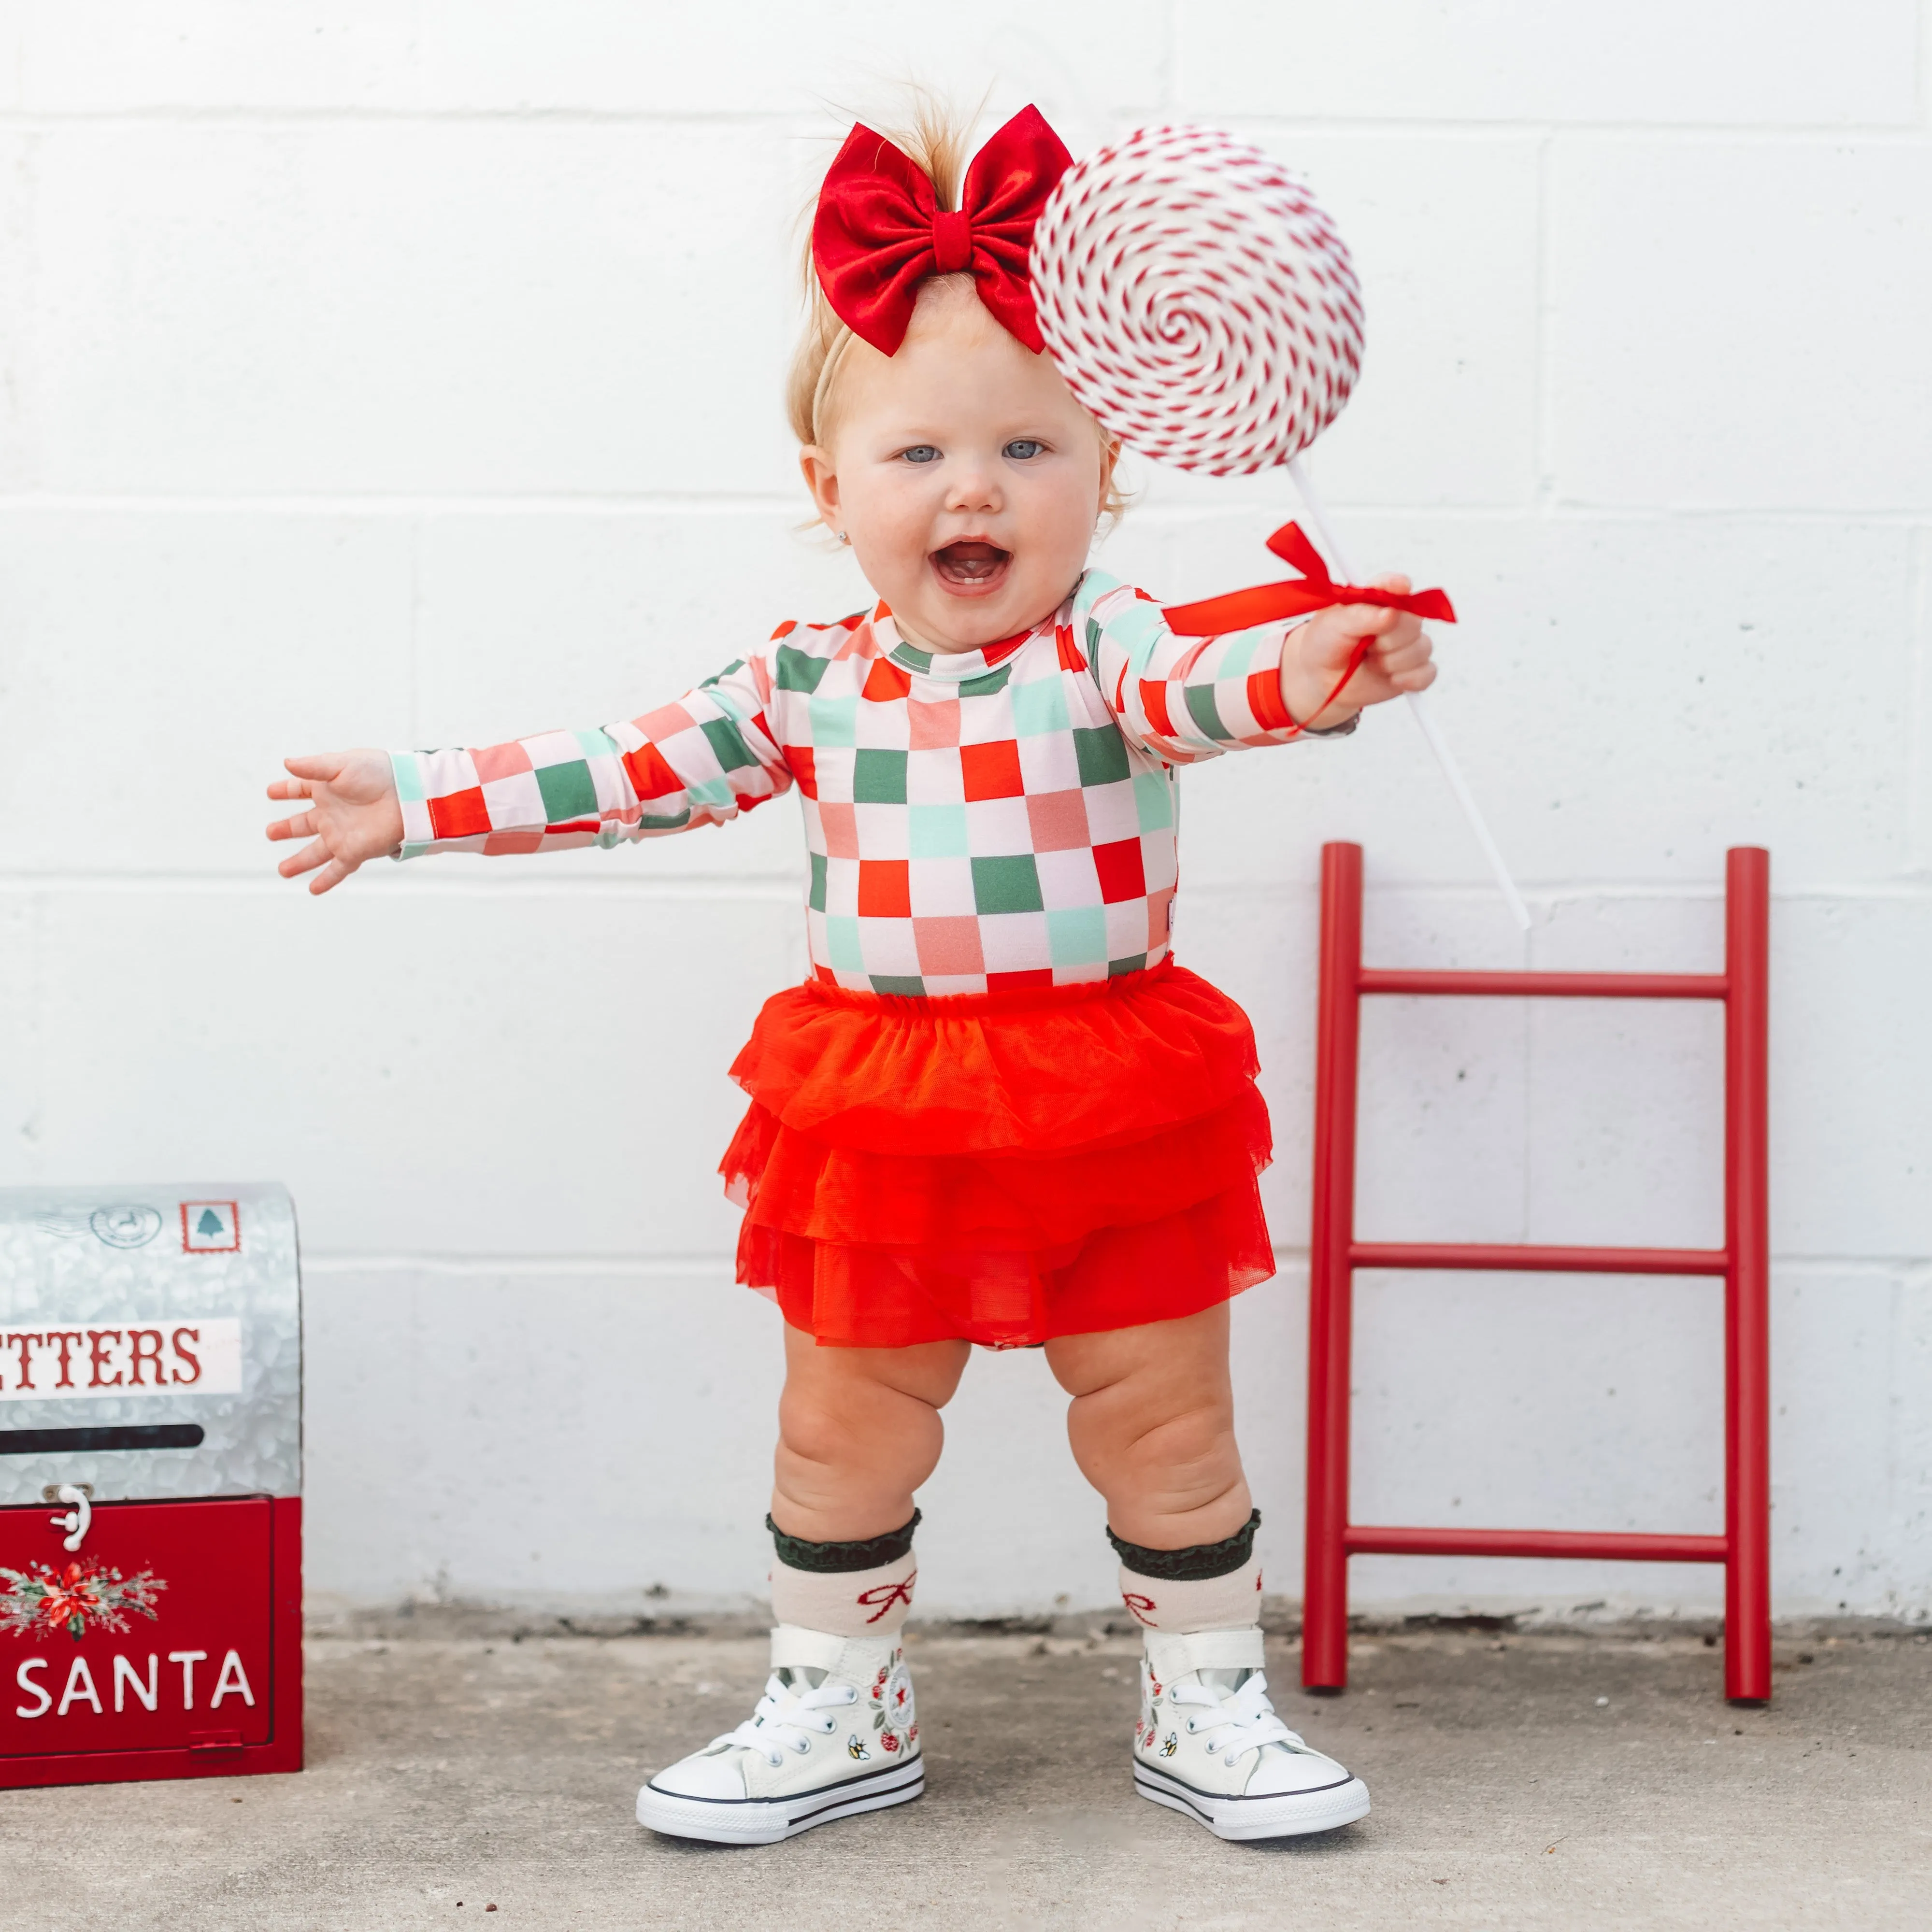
x: 167, y: 1603
x: 175, y: 1308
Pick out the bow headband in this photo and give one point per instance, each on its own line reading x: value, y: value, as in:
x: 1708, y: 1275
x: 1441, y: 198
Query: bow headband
x: 879, y: 231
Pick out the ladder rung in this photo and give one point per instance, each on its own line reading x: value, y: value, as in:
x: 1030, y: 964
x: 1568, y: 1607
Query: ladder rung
x: 1547, y: 985
x: 1514, y: 1256
x: 1361, y: 1539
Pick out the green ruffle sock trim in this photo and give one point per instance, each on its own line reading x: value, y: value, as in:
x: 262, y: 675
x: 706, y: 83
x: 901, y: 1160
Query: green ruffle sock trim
x: 1193, y: 1565
x: 836, y: 1558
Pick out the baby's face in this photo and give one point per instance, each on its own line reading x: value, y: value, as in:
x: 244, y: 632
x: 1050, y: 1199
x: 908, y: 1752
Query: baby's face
x: 967, y: 477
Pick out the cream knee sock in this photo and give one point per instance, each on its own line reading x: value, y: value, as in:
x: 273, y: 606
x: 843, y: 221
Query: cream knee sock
x: 1207, y: 1586
x: 847, y: 1589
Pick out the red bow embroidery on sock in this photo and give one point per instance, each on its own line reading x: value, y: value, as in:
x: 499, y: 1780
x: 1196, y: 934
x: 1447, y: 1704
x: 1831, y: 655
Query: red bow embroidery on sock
x: 1137, y: 1607
x: 885, y: 1595
x: 880, y: 231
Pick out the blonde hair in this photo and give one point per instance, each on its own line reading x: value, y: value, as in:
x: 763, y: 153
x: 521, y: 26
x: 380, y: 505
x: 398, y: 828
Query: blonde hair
x: 933, y: 134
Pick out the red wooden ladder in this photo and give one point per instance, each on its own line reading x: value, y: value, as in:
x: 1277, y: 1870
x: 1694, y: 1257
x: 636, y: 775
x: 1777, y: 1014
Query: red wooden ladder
x: 1743, y: 1262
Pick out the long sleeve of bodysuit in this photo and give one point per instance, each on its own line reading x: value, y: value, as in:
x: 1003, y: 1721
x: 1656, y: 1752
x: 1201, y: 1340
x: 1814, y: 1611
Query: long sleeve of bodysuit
x: 699, y: 761
x: 1183, y: 699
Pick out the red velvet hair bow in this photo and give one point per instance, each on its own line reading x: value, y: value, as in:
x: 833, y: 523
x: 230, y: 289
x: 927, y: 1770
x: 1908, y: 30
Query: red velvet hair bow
x: 1314, y: 590
x: 880, y: 231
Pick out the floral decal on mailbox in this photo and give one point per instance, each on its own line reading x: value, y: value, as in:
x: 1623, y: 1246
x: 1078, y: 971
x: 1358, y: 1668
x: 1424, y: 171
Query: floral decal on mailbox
x: 76, y: 1598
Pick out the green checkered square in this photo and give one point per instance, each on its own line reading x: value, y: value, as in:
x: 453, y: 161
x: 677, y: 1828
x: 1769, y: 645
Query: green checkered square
x: 841, y: 942
x: 816, y: 897
x: 1154, y: 799
x: 987, y: 683
x: 568, y: 791
x: 1006, y: 885
x: 407, y: 769
x: 1039, y: 708
x: 1237, y: 655
x: 1138, y: 964
x: 727, y: 743
x: 833, y: 721
x: 937, y: 831
x: 1077, y: 935
x: 1206, y: 713
x: 798, y: 670
x: 911, y: 984
x: 1102, y: 754
x: 878, y: 778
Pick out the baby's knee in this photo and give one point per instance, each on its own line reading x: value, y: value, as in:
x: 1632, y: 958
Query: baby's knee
x: 812, y: 1430
x: 855, y: 1426
x: 1192, y: 1443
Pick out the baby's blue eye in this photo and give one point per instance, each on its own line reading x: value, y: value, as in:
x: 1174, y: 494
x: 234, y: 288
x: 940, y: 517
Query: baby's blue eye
x: 1023, y: 448
x: 920, y: 452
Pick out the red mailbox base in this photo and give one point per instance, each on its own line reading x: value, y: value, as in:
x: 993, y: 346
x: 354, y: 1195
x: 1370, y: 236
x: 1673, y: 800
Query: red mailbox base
x: 93, y: 1690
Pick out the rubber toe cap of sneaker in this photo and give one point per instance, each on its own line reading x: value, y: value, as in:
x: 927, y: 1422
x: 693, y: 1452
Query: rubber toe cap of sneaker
x: 702, y: 1776
x: 1281, y: 1774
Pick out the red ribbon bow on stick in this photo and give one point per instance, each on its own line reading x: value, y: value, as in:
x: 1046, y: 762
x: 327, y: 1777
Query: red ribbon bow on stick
x: 880, y: 231
x: 1314, y: 590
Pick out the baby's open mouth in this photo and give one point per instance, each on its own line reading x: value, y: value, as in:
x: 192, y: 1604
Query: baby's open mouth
x: 971, y: 565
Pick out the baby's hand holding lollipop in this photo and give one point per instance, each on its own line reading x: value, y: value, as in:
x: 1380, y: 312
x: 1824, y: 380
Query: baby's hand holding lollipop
x: 1398, y: 658
x: 353, y: 814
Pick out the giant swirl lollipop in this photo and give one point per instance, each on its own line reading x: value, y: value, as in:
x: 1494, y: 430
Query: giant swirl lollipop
x: 1200, y: 303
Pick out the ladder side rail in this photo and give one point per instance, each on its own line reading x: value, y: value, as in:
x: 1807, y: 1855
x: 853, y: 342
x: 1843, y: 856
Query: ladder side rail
x: 1331, y: 1316
x: 1747, y: 1290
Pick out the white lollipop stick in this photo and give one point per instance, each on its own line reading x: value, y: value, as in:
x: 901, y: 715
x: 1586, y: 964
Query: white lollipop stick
x: 1419, y: 711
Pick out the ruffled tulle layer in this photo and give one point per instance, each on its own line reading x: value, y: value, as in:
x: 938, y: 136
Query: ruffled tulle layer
x: 1002, y: 1168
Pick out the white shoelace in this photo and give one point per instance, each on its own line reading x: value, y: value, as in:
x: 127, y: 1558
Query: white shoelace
x: 779, y: 1723
x: 1247, y: 1719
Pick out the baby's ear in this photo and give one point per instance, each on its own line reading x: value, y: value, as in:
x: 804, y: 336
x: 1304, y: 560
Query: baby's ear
x: 815, y: 465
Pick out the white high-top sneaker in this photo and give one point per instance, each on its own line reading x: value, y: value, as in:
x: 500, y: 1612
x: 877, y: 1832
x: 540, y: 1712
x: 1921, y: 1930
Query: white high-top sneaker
x: 1208, y: 1743
x: 833, y: 1734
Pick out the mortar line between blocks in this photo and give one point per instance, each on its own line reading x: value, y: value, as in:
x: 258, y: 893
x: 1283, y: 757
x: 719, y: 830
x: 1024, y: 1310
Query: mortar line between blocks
x: 1919, y: 726
x: 766, y: 889
x: 691, y: 505
x: 1544, y: 427
x: 783, y: 888
x: 1290, y: 1259
x: 798, y: 125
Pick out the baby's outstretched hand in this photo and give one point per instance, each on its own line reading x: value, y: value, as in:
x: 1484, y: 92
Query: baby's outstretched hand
x: 1399, y: 659
x: 353, y: 814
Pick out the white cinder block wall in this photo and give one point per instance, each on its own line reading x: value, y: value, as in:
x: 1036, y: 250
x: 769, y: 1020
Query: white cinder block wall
x: 408, y: 373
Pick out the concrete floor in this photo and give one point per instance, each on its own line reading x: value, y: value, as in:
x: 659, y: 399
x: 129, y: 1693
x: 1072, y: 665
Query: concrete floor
x: 1520, y: 1781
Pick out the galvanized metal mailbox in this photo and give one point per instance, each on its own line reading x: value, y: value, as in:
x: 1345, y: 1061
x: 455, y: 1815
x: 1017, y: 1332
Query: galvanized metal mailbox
x: 150, y: 1484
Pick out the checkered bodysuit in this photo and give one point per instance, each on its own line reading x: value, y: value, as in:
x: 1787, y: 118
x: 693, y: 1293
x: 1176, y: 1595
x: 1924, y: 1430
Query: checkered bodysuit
x: 976, y: 821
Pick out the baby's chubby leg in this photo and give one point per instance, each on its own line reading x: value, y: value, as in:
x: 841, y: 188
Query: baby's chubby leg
x: 1152, y: 1424
x: 859, y: 1431
x: 836, y: 1732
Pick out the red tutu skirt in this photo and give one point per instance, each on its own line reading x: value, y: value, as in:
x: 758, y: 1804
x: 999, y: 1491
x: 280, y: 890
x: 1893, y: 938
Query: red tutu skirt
x: 1000, y: 1167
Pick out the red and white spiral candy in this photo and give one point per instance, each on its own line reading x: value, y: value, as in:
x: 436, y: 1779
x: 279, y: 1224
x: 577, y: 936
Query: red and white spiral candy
x: 1197, y: 299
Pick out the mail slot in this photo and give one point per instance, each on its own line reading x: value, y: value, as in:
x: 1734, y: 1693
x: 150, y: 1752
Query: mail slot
x: 150, y: 1484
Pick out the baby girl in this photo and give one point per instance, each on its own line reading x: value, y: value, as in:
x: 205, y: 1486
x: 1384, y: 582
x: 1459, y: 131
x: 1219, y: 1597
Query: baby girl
x: 998, y: 1112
